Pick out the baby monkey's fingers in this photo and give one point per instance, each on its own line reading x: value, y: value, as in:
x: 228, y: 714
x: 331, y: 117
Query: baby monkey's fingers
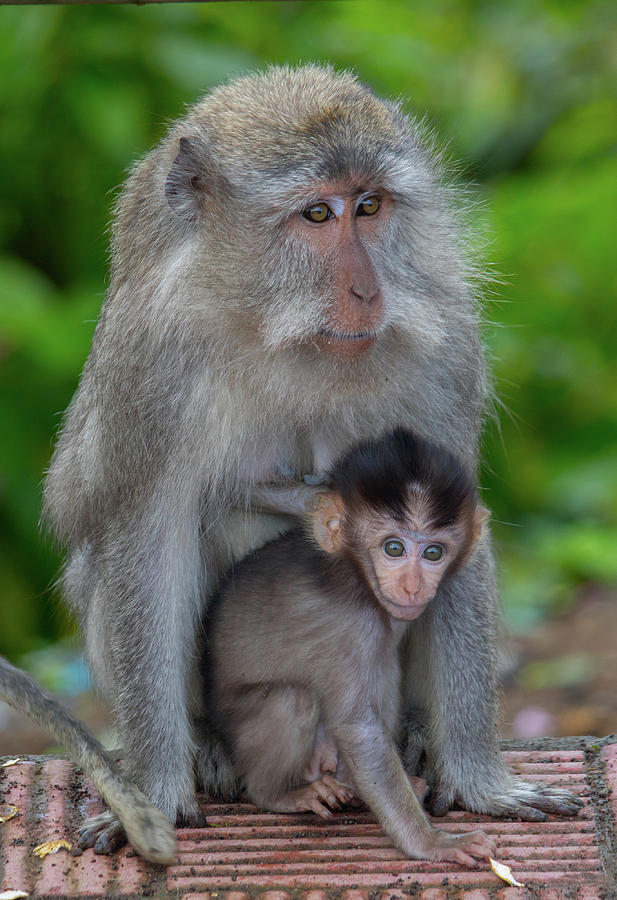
x: 463, y: 848
x: 477, y: 843
x: 305, y: 799
x: 343, y: 792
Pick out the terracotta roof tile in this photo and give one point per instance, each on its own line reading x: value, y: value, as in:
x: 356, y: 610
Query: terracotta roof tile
x: 242, y: 852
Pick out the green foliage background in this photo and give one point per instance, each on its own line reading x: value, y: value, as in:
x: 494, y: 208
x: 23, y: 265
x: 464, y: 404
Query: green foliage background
x: 525, y: 94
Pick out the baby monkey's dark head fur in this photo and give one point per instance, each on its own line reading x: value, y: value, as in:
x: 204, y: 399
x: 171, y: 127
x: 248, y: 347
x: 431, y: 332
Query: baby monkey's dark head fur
x: 381, y: 474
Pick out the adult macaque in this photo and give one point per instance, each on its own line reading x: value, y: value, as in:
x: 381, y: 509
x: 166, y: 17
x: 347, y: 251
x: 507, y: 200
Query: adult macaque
x: 288, y: 277
x: 146, y: 827
x: 303, y: 640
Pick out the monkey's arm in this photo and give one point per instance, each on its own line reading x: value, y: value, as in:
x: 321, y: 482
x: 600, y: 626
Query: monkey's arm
x: 465, y: 765
x: 378, y: 775
x: 292, y: 499
x: 147, y: 828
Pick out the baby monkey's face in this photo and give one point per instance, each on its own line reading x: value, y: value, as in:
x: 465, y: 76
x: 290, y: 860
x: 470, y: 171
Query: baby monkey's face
x: 403, y: 559
x: 406, y: 567
x: 406, y: 558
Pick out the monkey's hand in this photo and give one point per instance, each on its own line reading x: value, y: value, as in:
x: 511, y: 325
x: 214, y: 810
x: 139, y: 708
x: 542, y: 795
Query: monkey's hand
x: 147, y: 830
x: 514, y: 798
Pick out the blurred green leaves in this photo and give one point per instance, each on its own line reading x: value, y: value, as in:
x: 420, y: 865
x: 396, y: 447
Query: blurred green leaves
x: 525, y: 94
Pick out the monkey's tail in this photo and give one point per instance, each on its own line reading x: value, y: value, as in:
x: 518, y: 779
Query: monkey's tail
x: 146, y: 827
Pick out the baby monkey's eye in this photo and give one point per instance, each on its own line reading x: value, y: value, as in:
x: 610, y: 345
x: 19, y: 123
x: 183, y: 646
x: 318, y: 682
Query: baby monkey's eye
x: 318, y: 213
x: 433, y: 552
x: 392, y: 547
x: 368, y: 206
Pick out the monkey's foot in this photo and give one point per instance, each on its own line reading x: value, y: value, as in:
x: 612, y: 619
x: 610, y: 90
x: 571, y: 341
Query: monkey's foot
x: 103, y: 832
x: 191, y: 818
x: 462, y: 848
x: 520, y: 800
x: 319, y: 796
x: 214, y: 768
x: 419, y: 787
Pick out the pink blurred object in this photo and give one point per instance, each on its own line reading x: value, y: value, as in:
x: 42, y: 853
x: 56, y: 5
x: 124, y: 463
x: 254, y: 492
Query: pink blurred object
x: 534, y: 722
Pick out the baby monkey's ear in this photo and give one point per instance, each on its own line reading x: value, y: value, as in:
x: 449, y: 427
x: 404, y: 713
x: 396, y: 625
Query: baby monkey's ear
x: 479, y: 518
x: 326, y: 521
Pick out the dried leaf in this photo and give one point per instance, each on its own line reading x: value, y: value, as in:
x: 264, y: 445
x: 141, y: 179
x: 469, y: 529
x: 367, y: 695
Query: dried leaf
x: 7, y: 811
x: 48, y: 847
x: 5, y: 765
x: 504, y: 872
x: 13, y: 895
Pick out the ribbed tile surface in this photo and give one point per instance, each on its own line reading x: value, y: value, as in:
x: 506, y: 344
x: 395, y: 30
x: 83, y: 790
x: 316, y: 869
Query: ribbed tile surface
x: 242, y: 852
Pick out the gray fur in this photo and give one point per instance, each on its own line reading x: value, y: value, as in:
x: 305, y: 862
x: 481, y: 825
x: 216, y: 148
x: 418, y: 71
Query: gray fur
x: 202, y: 382
x: 146, y: 828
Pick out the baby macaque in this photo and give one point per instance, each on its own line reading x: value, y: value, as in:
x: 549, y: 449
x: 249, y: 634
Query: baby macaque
x: 303, y: 638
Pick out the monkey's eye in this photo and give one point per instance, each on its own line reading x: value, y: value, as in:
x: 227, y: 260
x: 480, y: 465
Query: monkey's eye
x: 318, y: 213
x: 368, y: 206
x: 392, y: 547
x: 433, y: 552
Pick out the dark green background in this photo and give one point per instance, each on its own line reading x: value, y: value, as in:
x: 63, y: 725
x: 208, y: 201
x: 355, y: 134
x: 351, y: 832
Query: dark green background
x: 525, y: 95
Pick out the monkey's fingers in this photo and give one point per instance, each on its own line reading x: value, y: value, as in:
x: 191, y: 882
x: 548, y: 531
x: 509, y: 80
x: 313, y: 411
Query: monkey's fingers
x: 193, y: 818
x: 110, y: 840
x: 326, y: 792
x: 464, y: 848
x: 533, y: 802
x: 103, y: 832
x: 463, y: 859
x: 501, y: 808
x: 521, y: 800
x: 304, y: 799
x: 343, y: 792
x: 315, y: 805
x: 555, y: 802
x: 477, y: 843
x: 453, y: 852
x: 311, y: 802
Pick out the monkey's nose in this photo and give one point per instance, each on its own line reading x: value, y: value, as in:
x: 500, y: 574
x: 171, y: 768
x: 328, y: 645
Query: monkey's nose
x: 368, y: 295
x: 411, y: 589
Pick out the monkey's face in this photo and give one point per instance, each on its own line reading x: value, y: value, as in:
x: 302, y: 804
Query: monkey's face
x: 341, y: 229
x: 317, y: 224
x: 405, y: 559
x: 406, y: 568
x: 336, y: 276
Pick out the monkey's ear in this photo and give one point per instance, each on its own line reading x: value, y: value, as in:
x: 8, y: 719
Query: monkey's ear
x: 327, y: 522
x: 186, y: 182
x: 480, y: 518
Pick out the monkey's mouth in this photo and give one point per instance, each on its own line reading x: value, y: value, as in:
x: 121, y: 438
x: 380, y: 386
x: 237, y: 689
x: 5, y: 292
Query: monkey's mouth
x: 345, y: 343
x: 331, y: 335
x: 406, y: 611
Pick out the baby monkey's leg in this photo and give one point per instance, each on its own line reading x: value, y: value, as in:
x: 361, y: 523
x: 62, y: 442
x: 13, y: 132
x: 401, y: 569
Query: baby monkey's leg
x: 274, y: 733
x: 326, y: 761
x: 324, y: 758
